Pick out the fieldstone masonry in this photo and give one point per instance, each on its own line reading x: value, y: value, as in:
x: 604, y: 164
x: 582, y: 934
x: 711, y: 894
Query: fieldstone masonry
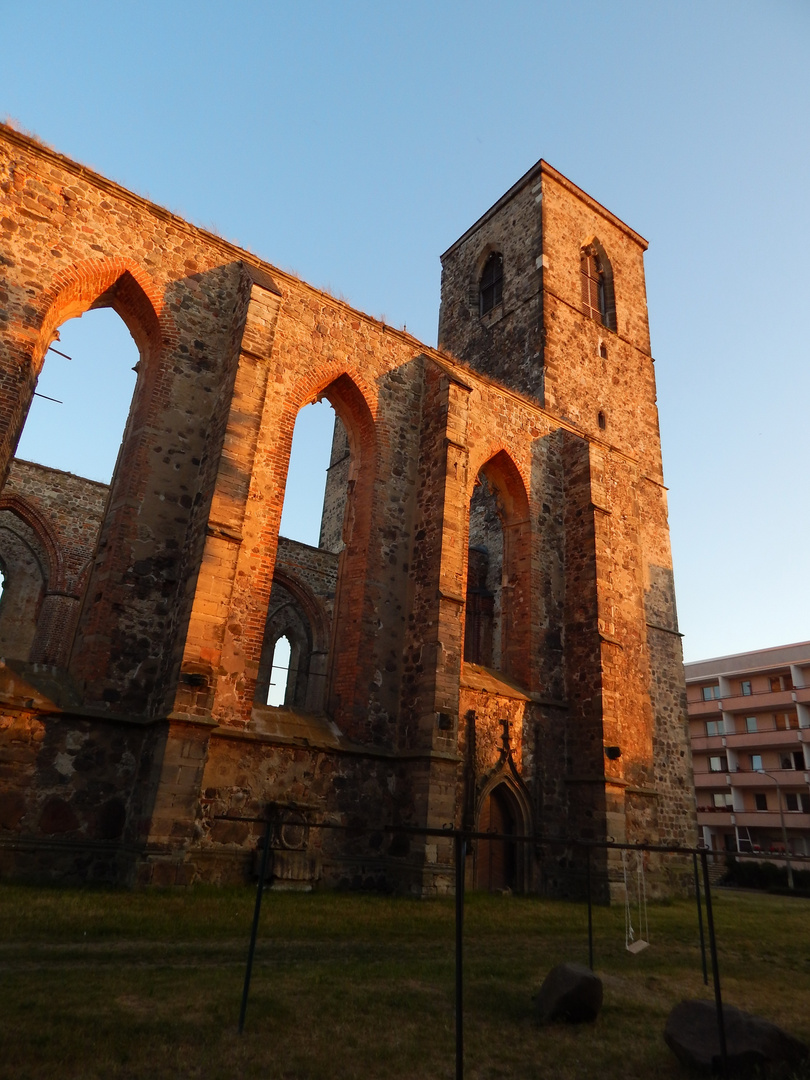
x: 490, y: 604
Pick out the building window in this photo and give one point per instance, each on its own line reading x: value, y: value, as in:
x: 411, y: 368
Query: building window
x: 761, y: 801
x: 711, y: 693
x: 804, y: 799
x: 718, y: 763
x: 602, y: 421
x: 756, y: 762
x: 490, y: 287
x: 714, y: 727
x: 792, y: 801
x: 750, y: 724
x: 789, y: 721
x: 597, y: 287
x: 723, y: 800
x: 745, y: 688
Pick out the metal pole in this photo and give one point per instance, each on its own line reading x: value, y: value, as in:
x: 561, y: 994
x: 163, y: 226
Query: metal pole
x: 700, y: 921
x: 784, y: 830
x: 590, y: 908
x: 460, y: 846
x: 718, y: 1001
x: 255, y: 928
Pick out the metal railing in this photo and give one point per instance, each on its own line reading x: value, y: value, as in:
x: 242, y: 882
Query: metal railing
x: 462, y: 838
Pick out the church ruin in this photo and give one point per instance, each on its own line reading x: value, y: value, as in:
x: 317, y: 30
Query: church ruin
x: 489, y: 608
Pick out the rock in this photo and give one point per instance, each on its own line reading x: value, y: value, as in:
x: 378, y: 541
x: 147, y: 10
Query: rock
x: 753, y: 1046
x: 570, y: 992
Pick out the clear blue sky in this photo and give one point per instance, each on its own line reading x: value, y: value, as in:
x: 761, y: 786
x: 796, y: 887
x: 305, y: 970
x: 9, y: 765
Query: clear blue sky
x: 353, y: 142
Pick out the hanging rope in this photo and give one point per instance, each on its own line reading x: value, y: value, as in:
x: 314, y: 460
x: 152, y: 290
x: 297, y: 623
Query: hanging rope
x: 631, y: 942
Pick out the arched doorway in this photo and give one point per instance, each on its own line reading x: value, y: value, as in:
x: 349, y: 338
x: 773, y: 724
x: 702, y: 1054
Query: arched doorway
x: 496, y: 861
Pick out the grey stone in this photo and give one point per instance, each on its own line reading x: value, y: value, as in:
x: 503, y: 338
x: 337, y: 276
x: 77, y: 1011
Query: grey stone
x: 754, y: 1047
x: 570, y: 992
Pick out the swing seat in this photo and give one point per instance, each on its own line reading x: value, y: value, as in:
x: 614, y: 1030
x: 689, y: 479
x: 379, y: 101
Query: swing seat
x: 637, y: 946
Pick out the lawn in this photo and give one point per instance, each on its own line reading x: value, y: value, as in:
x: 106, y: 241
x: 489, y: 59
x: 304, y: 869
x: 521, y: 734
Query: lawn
x: 102, y: 984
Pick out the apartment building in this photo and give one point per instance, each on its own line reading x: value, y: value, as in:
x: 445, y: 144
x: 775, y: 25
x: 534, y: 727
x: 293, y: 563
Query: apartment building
x: 749, y: 724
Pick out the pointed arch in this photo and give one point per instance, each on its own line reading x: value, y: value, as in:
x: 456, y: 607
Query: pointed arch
x: 295, y: 613
x: 596, y: 276
x: 347, y: 671
x: 486, y: 284
x: 498, y: 597
x: 19, y: 506
x: 117, y: 283
x: 503, y: 808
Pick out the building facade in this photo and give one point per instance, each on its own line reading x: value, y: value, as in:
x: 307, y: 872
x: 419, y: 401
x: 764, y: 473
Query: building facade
x: 749, y: 724
x: 489, y: 606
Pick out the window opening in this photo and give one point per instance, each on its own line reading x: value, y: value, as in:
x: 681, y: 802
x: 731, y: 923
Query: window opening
x: 280, y: 672
x: 490, y: 289
x: 307, y: 473
x: 602, y: 421
x: 597, y: 288
x: 718, y: 763
x: 750, y: 724
x: 745, y: 688
x: 497, y: 611
x: 761, y: 802
x: 714, y: 727
x: 483, y: 612
x: 756, y: 762
x: 80, y: 430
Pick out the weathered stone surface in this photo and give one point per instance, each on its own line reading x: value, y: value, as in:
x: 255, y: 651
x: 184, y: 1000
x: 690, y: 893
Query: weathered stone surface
x: 570, y: 992
x: 754, y: 1046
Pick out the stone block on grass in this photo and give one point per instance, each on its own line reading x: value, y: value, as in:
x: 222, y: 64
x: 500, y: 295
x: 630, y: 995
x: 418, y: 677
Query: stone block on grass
x: 754, y: 1047
x: 570, y: 993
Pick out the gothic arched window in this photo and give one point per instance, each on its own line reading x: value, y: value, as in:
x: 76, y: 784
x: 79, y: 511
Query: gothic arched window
x: 490, y: 287
x: 597, y: 287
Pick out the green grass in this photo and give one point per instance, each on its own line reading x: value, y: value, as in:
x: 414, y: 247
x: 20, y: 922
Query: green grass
x: 99, y: 984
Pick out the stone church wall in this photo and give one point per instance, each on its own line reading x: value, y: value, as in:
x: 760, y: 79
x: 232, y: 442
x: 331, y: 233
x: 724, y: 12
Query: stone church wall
x: 163, y: 674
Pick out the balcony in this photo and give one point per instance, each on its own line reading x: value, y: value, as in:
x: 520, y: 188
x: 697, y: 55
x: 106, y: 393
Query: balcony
x: 789, y: 779
x: 709, y: 744
x: 708, y: 709
x: 713, y: 781
x: 769, y: 819
x: 773, y: 737
x: 716, y: 819
x: 764, y: 699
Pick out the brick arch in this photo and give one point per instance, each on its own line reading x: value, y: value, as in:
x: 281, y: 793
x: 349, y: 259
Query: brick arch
x: 51, y: 547
x: 498, y: 463
x: 314, y: 384
x: 117, y: 283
